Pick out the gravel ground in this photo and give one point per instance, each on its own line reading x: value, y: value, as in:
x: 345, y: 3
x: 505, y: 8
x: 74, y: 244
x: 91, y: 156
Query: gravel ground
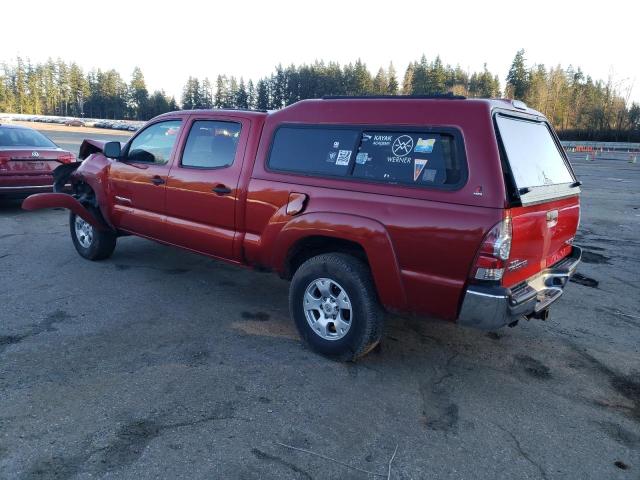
x: 158, y: 363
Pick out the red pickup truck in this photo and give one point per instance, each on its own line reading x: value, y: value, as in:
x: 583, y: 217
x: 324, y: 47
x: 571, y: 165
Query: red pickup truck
x: 462, y: 209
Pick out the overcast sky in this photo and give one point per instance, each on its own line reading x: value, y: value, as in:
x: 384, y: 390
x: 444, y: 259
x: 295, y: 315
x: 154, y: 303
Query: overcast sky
x: 172, y: 40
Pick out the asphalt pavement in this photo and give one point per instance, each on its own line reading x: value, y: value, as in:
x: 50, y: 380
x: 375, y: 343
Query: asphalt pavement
x: 159, y: 363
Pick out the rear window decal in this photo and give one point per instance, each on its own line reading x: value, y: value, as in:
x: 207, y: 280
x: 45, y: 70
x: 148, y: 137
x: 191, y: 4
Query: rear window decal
x: 429, y: 175
x: 343, y: 157
x: 362, y: 158
x: 418, y: 167
x: 402, y: 146
x: 425, y: 145
x: 381, y: 140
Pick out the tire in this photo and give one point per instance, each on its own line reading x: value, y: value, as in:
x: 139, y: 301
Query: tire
x: 91, y: 243
x: 340, y: 328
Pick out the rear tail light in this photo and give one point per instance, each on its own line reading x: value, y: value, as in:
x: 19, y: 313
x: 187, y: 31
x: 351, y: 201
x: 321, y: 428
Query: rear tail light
x: 66, y: 158
x: 494, y: 252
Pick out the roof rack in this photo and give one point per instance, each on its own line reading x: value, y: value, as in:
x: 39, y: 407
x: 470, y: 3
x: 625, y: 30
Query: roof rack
x: 448, y: 95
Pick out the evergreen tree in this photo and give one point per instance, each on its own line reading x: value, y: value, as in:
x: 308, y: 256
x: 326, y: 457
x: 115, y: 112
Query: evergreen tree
x: 206, y: 95
x: 242, y: 98
x: 420, y: 84
x: 518, y: 79
x: 437, y: 77
x: 232, y: 93
x: 139, y: 95
x: 380, y: 82
x: 21, y: 86
x: 221, y: 92
x: 262, y: 95
x: 392, y: 81
x: 251, y: 95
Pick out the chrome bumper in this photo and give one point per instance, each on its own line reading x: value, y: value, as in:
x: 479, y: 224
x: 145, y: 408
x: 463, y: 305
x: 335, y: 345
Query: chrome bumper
x: 490, y: 308
x: 25, y: 188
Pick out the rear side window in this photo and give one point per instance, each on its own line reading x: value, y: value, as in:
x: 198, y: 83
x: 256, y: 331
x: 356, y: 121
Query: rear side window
x: 532, y: 153
x: 427, y: 158
x: 323, y: 151
x: 423, y: 159
x: 211, y: 144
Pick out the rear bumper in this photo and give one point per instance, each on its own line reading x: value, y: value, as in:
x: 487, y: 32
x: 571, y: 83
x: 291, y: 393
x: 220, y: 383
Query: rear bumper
x: 10, y: 184
x: 26, y: 188
x: 490, y: 308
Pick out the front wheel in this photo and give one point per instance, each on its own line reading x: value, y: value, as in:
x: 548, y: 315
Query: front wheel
x: 91, y: 243
x: 333, y: 302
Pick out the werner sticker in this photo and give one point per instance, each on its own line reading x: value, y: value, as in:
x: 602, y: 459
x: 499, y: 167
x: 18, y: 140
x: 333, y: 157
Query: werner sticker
x: 425, y: 145
x: 343, y: 157
x: 418, y: 167
x: 402, y: 146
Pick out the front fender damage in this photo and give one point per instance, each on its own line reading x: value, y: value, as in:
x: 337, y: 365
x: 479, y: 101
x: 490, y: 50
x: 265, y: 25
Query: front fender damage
x: 62, y: 200
x: 62, y: 175
x: 86, y: 197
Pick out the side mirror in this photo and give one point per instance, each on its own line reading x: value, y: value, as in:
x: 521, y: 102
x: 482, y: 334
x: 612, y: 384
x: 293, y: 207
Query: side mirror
x: 112, y: 150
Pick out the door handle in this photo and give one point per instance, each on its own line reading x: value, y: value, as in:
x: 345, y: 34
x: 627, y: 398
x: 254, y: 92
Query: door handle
x: 157, y: 180
x: 221, y: 190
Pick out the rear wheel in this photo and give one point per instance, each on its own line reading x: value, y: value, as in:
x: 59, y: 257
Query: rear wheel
x: 333, y: 302
x: 91, y: 243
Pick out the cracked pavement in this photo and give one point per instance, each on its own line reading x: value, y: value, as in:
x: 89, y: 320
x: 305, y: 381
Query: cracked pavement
x: 159, y: 363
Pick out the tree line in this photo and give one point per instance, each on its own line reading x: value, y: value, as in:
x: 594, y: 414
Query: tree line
x: 61, y: 88
x: 579, y: 106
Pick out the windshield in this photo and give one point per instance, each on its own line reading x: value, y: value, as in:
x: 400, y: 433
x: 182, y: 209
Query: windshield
x: 23, y: 137
x: 532, y: 153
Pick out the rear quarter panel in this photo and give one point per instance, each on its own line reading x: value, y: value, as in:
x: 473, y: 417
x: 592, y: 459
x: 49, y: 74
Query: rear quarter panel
x: 420, y: 251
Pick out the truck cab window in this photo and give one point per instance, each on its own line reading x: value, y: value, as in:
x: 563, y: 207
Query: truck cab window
x: 211, y: 144
x: 154, y: 143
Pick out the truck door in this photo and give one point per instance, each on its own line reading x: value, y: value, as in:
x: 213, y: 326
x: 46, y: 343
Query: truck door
x: 202, y: 187
x: 137, y: 180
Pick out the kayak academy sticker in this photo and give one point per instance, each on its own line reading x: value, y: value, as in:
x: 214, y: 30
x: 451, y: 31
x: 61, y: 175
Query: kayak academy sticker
x: 418, y: 167
x: 381, y: 140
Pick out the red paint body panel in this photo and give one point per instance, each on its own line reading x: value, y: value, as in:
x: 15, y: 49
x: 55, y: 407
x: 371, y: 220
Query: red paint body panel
x: 539, y: 243
x: 60, y: 200
x: 420, y: 243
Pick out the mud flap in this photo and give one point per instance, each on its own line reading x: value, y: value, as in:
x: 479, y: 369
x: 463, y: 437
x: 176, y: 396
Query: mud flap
x: 62, y: 200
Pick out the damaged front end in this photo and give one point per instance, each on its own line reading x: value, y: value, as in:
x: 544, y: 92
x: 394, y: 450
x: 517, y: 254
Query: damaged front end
x: 87, y: 179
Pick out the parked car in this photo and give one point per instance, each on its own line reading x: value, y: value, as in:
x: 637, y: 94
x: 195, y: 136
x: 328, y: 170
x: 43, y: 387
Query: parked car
x: 27, y: 160
x: 74, y: 122
x: 460, y: 209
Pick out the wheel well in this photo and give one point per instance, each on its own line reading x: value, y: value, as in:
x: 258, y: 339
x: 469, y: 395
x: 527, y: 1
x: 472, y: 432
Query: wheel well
x: 85, y: 194
x: 310, y: 247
